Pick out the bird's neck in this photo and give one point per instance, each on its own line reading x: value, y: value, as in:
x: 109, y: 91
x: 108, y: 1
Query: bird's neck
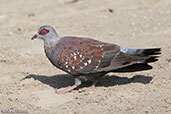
x: 50, y: 42
x: 51, y: 51
x: 48, y: 46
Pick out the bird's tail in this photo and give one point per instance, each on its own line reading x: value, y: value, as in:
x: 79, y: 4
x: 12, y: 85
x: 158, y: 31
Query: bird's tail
x: 152, y: 53
x: 148, y: 52
x: 146, y: 55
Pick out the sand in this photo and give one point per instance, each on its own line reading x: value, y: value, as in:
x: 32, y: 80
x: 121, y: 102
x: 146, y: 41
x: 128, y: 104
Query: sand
x: 28, y: 80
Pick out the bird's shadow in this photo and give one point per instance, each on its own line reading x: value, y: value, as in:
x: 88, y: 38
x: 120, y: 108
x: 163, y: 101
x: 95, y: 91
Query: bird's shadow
x: 64, y: 80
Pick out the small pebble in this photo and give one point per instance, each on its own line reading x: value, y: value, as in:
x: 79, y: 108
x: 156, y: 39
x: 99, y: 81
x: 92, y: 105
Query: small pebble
x: 31, y: 15
x: 110, y: 10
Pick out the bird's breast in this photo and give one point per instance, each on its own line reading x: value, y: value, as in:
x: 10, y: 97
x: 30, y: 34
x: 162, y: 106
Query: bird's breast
x: 51, y: 54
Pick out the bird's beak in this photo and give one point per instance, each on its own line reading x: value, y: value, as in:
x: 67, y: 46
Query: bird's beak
x: 34, y: 37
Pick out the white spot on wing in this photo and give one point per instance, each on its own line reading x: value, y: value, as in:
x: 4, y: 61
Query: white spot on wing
x: 85, y: 64
x: 99, y: 61
x: 89, y: 61
x: 97, y: 67
x: 73, y: 67
x: 66, y: 62
x: 77, y: 52
x: 100, y: 45
x: 75, y: 57
x: 81, y: 55
x: 66, y: 66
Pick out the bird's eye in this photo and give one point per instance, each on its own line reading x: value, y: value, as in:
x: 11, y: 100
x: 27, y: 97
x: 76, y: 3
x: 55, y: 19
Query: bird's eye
x: 43, y: 31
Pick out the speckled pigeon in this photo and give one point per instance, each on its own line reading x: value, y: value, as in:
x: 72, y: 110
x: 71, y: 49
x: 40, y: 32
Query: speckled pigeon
x: 88, y: 59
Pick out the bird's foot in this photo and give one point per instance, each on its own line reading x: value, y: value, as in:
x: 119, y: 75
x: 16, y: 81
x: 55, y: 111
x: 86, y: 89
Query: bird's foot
x: 68, y: 89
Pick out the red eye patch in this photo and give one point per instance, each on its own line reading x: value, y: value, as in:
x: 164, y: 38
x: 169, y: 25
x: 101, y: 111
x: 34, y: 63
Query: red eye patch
x: 43, y: 31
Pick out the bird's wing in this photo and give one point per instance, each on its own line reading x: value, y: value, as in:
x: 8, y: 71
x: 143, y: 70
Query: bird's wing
x: 97, y: 57
x: 84, y: 56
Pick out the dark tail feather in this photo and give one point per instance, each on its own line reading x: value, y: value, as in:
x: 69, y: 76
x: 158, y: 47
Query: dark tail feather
x: 152, y: 59
x: 151, y: 53
x: 148, y: 52
x: 134, y: 68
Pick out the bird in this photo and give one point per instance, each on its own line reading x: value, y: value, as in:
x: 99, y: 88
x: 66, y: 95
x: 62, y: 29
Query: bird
x: 87, y: 59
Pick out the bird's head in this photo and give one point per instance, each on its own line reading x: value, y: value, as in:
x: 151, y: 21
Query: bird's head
x: 46, y: 33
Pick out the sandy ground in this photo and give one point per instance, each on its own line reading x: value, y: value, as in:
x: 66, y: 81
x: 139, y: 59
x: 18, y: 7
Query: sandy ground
x: 28, y: 80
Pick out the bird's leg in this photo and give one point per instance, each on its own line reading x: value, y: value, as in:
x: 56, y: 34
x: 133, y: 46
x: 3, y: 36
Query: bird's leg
x: 69, y: 89
x: 94, y: 83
